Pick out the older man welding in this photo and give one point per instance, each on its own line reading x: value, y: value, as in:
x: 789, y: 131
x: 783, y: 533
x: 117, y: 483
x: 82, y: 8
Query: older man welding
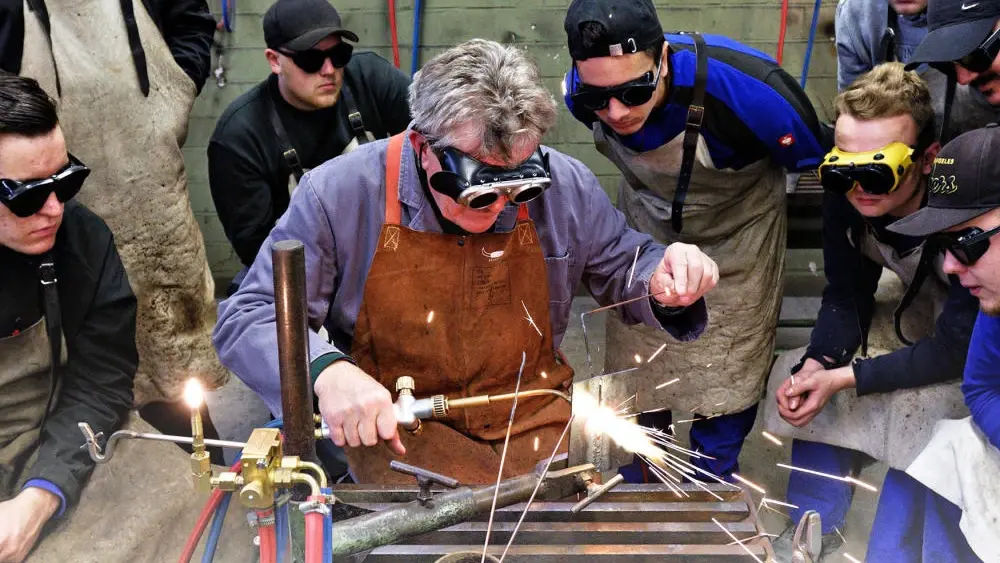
x: 444, y: 254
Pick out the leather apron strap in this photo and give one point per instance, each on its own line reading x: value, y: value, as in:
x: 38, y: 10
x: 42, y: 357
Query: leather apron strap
x: 695, y: 118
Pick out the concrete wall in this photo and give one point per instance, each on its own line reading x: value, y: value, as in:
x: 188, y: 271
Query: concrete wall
x: 534, y: 24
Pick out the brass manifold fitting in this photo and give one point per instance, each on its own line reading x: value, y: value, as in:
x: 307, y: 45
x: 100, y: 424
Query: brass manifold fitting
x: 264, y: 470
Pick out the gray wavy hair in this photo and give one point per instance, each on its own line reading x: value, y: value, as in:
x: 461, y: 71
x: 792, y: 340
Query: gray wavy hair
x: 484, y: 89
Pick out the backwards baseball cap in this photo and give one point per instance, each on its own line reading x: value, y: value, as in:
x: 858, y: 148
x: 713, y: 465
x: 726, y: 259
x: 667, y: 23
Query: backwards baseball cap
x: 955, y: 29
x: 298, y: 25
x: 630, y: 26
x: 965, y: 184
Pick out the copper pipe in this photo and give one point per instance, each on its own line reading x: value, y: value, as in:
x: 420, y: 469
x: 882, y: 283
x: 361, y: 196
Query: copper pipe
x: 483, y: 400
x: 288, y: 258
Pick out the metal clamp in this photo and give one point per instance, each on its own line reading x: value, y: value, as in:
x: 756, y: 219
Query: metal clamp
x: 425, y: 479
x: 807, y: 543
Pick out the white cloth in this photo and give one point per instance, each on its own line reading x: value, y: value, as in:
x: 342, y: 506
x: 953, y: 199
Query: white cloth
x: 962, y: 466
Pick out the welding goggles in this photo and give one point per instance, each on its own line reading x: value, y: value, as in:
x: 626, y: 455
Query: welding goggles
x: 25, y: 198
x: 967, y: 245
x: 477, y: 185
x: 311, y: 60
x: 878, y: 172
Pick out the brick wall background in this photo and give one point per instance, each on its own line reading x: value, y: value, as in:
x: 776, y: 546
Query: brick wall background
x: 534, y: 24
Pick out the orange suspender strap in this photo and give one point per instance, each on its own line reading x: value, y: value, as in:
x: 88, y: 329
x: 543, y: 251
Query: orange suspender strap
x: 392, y: 159
x: 522, y: 212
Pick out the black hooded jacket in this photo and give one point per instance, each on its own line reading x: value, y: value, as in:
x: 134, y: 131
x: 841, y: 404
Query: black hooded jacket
x: 98, y: 311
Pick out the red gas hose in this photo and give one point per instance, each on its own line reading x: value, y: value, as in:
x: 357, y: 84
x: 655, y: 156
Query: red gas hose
x: 392, y: 32
x: 203, y: 520
x: 781, y: 32
x: 314, y: 537
x: 268, y: 539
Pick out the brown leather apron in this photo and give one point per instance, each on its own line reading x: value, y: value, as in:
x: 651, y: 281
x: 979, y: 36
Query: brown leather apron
x: 478, y: 288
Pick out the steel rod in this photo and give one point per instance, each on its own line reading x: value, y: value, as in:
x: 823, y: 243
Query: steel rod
x: 288, y: 257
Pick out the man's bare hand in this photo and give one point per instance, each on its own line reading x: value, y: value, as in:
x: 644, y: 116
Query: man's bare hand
x: 811, y: 393
x: 788, y: 402
x: 357, y: 408
x: 21, y: 521
x: 684, y: 276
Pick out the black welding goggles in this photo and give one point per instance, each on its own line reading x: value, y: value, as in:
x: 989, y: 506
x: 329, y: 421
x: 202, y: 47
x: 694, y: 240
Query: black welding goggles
x: 878, y: 172
x: 25, y: 198
x: 477, y: 185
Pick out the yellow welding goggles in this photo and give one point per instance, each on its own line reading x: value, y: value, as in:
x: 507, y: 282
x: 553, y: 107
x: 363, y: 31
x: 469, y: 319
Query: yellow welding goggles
x: 878, y: 172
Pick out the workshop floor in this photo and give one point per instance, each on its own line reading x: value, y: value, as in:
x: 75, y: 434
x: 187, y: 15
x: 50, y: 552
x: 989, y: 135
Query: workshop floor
x: 236, y: 411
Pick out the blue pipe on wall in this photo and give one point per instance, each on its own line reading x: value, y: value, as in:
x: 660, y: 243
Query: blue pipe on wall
x: 809, y: 47
x: 416, y: 37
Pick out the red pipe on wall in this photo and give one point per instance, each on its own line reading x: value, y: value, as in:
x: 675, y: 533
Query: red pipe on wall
x: 392, y: 32
x: 781, y: 33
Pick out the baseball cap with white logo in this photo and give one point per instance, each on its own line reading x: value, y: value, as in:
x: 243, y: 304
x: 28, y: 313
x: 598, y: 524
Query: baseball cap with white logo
x: 955, y: 29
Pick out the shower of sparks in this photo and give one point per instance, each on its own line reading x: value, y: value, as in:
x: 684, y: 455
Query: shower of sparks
x: 862, y: 484
x: 737, y: 541
x: 841, y: 535
x: 530, y: 320
x: 503, y: 457
x: 638, y: 359
x: 430, y: 317
x: 583, y: 321
x: 829, y: 476
x: 851, y: 558
x: 538, y: 484
x: 766, y: 502
x: 657, y: 448
x: 751, y: 538
x: 536, y: 443
x: 623, y: 405
x: 545, y: 375
x: 750, y: 484
x: 632, y: 269
x: 671, y: 382
x: 656, y: 353
x: 772, y: 438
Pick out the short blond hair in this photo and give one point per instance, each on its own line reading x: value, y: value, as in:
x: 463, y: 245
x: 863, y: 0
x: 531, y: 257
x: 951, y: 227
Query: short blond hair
x: 887, y: 91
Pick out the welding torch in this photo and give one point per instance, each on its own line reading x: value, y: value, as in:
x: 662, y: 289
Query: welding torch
x: 410, y: 410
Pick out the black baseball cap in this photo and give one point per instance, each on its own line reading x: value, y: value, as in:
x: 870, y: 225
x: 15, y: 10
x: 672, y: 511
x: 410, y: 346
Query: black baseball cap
x: 630, y: 26
x: 298, y: 25
x: 955, y: 29
x: 965, y: 184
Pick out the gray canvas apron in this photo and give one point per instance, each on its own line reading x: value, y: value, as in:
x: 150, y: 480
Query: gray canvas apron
x: 25, y: 386
x: 736, y: 217
x: 132, y: 143
x: 891, y: 427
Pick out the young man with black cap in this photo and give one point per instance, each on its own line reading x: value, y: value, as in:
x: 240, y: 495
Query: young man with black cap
x: 322, y: 100
x: 835, y: 405
x: 963, y: 41
x: 703, y: 129
x: 872, y: 32
x: 946, y: 506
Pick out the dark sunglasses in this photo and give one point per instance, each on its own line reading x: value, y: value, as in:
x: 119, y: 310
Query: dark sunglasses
x: 981, y: 58
x: 967, y: 245
x: 633, y: 93
x: 25, y: 198
x: 311, y: 60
